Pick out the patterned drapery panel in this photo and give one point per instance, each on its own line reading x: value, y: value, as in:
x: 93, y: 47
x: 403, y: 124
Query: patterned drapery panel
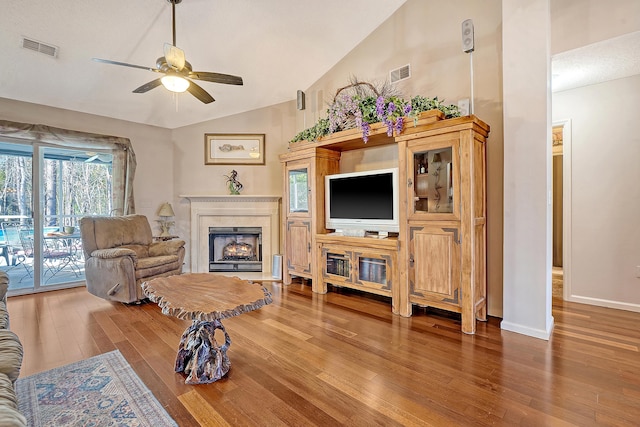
x: 124, y: 159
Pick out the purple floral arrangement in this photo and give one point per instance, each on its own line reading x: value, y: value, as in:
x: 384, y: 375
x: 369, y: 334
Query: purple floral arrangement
x: 365, y: 104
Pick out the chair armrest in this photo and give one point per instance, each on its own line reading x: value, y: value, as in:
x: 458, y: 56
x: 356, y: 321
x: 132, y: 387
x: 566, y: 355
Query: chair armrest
x: 169, y: 247
x: 113, y: 253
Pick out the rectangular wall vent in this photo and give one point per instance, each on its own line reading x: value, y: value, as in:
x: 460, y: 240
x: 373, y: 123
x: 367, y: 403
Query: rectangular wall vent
x: 401, y: 73
x: 37, y: 46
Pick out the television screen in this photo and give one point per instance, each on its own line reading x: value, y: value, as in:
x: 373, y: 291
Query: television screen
x: 362, y: 197
x: 362, y: 200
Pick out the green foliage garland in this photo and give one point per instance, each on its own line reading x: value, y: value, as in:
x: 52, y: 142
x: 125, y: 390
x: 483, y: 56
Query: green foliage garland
x: 372, y: 110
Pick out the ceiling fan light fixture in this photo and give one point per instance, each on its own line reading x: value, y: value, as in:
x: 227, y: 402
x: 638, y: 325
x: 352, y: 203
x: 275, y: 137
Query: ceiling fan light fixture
x: 175, y: 83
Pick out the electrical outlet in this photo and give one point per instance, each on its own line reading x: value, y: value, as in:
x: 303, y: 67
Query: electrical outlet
x: 638, y: 271
x: 463, y: 106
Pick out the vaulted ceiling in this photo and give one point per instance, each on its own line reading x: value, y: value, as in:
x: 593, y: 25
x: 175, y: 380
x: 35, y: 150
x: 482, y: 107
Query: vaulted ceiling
x: 276, y: 46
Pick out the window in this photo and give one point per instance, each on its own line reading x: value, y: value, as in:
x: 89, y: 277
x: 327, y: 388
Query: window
x: 49, y: 178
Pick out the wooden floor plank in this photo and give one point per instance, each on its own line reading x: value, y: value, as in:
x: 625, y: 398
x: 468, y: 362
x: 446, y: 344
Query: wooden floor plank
x: 203, y: 413
x: 344, y: 359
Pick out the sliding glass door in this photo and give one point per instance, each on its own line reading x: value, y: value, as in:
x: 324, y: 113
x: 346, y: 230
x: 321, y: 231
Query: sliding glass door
x: 41, y: 232
x: 16, y: 213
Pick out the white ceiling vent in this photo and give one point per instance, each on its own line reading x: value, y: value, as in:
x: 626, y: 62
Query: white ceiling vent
x: 37, y: 46
x: 401, y: 73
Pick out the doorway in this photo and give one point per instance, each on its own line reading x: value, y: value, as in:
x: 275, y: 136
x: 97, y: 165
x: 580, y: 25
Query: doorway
x: 557, y: 157
x: 561, y: 196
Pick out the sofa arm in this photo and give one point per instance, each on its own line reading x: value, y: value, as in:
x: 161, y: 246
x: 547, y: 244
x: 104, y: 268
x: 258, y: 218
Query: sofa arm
x: 114, y: 253
x: 168, y: 247
x: 10, y: 354
x: 4, y: 285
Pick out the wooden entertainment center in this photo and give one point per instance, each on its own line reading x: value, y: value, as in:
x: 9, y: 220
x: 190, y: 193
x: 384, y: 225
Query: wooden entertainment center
x: 438, y: 257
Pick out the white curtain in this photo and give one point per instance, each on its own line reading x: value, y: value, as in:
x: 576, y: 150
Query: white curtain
x: 124, y: 159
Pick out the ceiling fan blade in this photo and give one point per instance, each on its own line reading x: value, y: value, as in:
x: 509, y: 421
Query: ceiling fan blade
x: 148, y: 86
x: 216, y: 77
x: 199, y: 93
x: 174, y: 56
x: 124, y: 64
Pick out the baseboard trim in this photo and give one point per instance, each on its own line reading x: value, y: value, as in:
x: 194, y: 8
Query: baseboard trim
x: 605, y: 303
x: 525, y: 330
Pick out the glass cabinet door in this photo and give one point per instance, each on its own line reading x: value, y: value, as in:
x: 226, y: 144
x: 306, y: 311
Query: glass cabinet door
x: 433, y: 178
x: 298, y: 190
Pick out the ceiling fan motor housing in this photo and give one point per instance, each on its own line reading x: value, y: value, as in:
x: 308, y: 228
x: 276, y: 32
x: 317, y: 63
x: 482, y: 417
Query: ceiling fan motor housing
x: 161, y: 65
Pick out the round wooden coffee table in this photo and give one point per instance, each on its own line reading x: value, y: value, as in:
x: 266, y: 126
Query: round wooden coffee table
x: 205, y: 299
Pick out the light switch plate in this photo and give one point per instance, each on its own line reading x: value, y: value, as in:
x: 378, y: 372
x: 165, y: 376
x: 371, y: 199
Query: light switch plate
x: 463, y: 106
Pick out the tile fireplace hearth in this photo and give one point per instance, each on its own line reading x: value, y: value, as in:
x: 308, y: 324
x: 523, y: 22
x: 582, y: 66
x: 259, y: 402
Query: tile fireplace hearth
x: 228, y: 212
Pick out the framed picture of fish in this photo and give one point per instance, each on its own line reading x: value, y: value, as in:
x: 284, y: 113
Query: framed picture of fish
x: 234, y: 149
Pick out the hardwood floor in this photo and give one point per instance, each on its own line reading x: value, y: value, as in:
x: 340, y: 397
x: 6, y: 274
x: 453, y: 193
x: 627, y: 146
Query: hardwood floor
x: 344, y: 359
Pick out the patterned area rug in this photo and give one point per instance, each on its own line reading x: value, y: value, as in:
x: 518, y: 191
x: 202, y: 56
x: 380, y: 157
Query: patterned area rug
x: 99, y: 391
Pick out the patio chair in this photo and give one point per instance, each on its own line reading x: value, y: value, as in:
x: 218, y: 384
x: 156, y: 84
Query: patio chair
x: 55, y: 254
x: 14, y: 252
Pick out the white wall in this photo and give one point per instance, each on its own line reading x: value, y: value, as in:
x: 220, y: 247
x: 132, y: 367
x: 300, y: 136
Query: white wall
x: 576, y: 23
x: 605, y: 223
x: 427, y: 35
x: 527, y: 167
x: 152, y: 146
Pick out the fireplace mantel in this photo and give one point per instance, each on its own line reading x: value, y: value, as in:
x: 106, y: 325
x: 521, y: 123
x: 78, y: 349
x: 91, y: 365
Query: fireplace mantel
x: 234, y: 211
x: 240, y: 198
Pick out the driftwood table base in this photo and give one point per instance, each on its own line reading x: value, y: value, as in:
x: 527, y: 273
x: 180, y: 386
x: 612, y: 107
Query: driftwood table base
x: 199, y: 355
x: 205, y: 299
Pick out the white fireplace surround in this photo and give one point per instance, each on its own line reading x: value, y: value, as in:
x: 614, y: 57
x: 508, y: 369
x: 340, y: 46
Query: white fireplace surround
x: 234, y: 211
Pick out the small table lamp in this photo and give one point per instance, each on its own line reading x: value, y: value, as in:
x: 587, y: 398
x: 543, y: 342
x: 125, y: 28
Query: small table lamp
x: 165, y: 212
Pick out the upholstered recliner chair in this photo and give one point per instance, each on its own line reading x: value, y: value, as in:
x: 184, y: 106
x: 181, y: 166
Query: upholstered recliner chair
x: 120, y: 254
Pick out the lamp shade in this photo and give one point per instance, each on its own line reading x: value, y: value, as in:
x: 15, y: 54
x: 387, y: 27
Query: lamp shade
x: 166, y: 210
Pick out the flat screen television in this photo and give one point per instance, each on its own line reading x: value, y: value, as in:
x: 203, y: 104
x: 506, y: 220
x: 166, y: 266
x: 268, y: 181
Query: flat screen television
x: 366, y: 201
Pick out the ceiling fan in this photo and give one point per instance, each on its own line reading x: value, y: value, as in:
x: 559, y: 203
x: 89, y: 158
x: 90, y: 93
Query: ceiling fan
x: 177, y: 71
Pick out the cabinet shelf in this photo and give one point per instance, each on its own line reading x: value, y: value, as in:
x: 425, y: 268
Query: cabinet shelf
x: 365, y: 264
x: 372, y: 270
x: 338, y: 265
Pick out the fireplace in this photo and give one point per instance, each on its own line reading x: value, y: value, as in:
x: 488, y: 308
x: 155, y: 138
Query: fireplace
x: 234, y: 211
x: 235, y: 249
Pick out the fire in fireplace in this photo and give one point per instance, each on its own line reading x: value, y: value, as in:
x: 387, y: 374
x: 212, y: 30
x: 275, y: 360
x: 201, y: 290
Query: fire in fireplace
x: 238, y: 251
x: 235, y: 249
